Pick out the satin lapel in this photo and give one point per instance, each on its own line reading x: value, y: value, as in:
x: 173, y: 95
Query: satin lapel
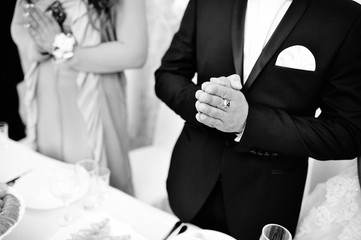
x: 284, y: 28
x: 238, y: 19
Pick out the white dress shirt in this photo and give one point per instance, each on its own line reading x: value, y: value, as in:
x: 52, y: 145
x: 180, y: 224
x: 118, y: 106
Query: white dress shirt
x: 262, y: 18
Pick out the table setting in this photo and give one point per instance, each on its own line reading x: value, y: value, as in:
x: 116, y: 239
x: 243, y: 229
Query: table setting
x: 57, y: 201
x: 113, y: 215
x: 29, y: 173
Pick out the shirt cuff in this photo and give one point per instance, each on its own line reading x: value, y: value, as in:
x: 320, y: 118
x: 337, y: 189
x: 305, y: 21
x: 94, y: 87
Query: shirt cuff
x: 239, y: 135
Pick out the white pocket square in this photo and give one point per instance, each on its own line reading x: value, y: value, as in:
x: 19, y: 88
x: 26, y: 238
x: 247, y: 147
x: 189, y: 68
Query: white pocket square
x: 297, y: 57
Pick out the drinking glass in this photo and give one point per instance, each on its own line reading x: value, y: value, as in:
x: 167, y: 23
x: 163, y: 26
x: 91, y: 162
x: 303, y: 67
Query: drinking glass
x: 63, y: 183
x: 4, y: 134
x: 88, y: 169
x: 275, y: 232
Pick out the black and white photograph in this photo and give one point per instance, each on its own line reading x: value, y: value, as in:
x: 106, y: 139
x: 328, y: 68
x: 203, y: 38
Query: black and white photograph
x: 181, y: 120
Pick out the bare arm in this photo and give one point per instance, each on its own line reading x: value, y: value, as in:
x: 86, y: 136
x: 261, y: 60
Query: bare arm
x: 130, y: 49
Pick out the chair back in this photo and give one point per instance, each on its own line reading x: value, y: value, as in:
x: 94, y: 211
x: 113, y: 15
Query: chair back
x: 167, y: 128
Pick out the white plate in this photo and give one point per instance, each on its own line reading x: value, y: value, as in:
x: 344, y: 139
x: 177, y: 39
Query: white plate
x: 203, y: 234
x: 12, y: 191
x: 35, y: 189
x: 117, y: 228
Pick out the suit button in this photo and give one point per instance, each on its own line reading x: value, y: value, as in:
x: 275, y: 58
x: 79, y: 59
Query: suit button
x: 253, y: 151
x: 274, y: 154
x: 260, y: 153
x: 266, y: 154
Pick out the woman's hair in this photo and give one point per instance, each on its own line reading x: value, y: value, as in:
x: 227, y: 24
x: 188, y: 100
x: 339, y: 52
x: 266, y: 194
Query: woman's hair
x: 102, y: 6
x: 104, y: 11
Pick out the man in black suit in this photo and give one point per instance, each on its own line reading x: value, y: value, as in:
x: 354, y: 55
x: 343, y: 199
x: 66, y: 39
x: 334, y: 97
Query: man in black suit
x: 241, y: 160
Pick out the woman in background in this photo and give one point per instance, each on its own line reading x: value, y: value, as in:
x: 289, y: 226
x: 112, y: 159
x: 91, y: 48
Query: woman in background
x: 333, y: 210
x: 73, y: 54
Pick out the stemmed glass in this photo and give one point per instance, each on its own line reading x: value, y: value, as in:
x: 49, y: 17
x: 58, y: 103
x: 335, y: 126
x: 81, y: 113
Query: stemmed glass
x: 88, y: 169
x: 63, y: 184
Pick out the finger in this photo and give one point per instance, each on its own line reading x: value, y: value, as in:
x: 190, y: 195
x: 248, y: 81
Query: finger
x: 207, y: 98
x: 205, y: 84
x: 221, y: 81
x: 197, y: 104
x: 219, y: 90
x: 235, y: 81
x: 39, y: 17
x: 207, y: 120
x: 30, y: 22
x: 33, y: 17
x: 232, y: 81
x: 32, y: 29
x: 26, y: 15
x: 33, y: 33
x: 210, y: 110
x: 27, y: 6
x: 198, y: 93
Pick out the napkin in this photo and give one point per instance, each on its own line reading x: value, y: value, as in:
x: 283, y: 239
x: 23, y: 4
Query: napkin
x: 203, y: 234
x: 12, y: 162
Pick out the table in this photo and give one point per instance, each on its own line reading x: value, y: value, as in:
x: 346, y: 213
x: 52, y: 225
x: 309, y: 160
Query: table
x: 150, y: 222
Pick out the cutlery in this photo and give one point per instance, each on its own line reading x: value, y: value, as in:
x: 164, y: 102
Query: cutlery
x: 176, y: 225
x: 12, y: 181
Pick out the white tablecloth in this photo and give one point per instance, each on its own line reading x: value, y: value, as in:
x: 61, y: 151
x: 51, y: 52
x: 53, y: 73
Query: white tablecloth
x: 148, y: 221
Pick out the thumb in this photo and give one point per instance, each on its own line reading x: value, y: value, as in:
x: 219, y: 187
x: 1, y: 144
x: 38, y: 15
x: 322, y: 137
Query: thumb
x: 235, y: 80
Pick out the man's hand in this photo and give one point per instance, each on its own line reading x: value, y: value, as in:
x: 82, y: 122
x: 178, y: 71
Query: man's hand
x: 210, y: 105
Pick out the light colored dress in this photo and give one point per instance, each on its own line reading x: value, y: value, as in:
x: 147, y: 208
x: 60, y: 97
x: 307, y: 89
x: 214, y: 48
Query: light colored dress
x: 73, y: 115
x: 333, y: 209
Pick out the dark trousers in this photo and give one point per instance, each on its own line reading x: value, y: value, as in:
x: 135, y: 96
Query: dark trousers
x: 212, y: 215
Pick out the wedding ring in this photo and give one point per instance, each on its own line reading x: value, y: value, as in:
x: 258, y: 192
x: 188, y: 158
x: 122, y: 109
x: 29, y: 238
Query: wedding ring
x: 226, y: 103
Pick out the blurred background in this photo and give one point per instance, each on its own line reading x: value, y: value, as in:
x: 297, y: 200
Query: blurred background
x: 163, y: 21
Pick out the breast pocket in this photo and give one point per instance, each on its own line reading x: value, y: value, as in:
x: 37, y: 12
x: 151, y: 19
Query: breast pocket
x: 299, y: 89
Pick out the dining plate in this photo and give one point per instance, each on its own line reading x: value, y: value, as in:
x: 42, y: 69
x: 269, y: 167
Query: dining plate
x: 97, y: 225
x: 203, y: 234
x: 35, y: 189
x: 20, y: 209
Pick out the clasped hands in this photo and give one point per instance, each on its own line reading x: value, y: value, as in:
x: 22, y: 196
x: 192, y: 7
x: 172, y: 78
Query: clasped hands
x: 212, y: 107
x: 41, y: 26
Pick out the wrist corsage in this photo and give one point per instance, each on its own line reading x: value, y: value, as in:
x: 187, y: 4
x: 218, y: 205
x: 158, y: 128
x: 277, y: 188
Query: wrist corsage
x: 63, y: 47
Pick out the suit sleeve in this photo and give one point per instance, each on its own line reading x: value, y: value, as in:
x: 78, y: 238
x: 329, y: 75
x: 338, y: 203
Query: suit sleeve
x: 174, y: 83
x: 336, y: 133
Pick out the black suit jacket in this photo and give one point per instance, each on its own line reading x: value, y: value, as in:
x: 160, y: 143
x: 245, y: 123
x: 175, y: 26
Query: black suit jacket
x: 263, y: 175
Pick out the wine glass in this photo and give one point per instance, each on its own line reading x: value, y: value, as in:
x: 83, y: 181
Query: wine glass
x: 63, y: 185
x: 88, y: 169
x: 275, y: 232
